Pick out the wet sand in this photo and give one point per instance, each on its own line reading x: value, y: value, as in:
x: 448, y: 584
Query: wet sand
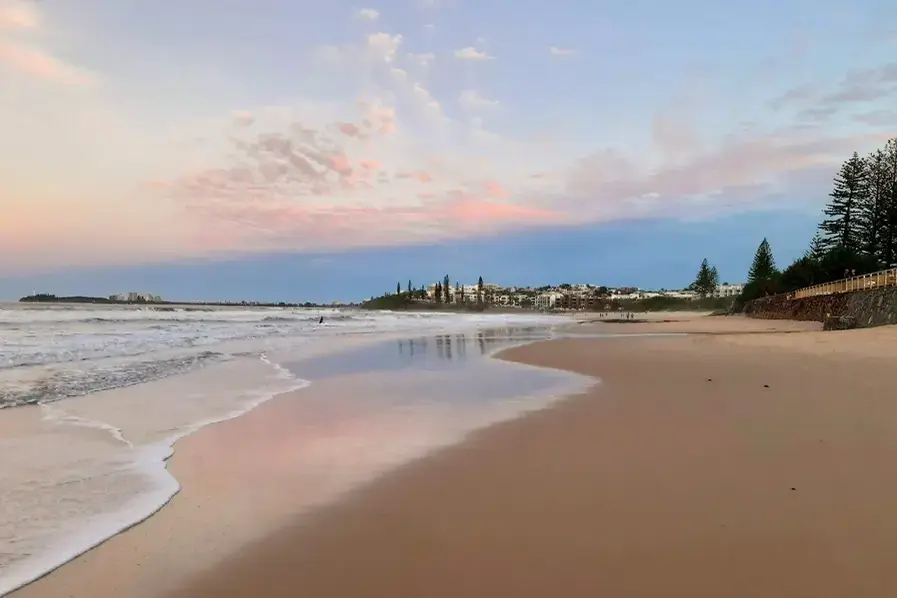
x: 368, y: 410
x: 712, y: 465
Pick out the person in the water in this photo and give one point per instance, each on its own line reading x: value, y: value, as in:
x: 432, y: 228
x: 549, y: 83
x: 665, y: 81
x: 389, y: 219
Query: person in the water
x: 321, y: 321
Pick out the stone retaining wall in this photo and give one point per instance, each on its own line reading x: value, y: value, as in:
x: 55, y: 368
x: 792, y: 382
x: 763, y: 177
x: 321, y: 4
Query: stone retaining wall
x: 874, y: 307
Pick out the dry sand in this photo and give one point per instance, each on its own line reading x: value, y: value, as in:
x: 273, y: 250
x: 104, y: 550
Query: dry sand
x: 737, y: 465
x: 690, y: 323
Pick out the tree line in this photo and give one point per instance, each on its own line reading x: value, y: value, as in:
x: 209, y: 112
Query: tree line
x: 410, y: 296
x: 857, y: 234
x: 442, y: 292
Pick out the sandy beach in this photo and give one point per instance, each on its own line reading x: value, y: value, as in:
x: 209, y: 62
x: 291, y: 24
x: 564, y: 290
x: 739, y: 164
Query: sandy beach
x: 750, y: 458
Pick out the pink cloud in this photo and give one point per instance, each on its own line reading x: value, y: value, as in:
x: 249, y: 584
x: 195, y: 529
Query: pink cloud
x: 243, y: 119
x: 607, y: 185
x: 349, y: 129
x: 301, y: 190
x: 38, y: 64
x: 283, y: 225
x: 18, y: 16
x: 378, y: 117
x: 471, y: 208
x: 496, y: 190
x: 340, y: 163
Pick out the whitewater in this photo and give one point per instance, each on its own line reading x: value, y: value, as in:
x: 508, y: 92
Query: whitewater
x: 93, y: 399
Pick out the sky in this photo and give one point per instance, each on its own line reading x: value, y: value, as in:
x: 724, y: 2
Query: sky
x: 285, y: 149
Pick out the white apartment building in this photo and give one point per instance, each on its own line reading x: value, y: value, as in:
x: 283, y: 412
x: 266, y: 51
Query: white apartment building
x: 682, y: 294
x: 635, y: 295
x: 515, y: 300
x: 547, y: 300
x: 729, y: 290
x: 468, y: 292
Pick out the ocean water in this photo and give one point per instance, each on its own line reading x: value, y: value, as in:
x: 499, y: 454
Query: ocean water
x: 92, y: 399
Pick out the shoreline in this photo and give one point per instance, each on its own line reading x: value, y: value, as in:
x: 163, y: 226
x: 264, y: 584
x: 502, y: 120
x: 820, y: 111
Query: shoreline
x: 86, y: 560
x: 148, y: 504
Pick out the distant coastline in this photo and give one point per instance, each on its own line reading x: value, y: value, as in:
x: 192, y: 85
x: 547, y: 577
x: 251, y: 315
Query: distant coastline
x: 83, y: 299
x: 410, y: 302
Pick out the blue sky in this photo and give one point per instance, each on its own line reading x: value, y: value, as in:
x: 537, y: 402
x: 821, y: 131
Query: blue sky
x: 645, y: 253
x: 205, y: 149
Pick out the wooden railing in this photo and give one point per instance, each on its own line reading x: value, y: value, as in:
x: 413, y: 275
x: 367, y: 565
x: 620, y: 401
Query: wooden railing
x: 883, y: 278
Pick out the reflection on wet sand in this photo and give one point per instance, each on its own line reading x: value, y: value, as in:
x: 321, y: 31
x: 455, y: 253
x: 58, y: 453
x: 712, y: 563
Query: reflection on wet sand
x: 443, y: 351
x: 451, y: 347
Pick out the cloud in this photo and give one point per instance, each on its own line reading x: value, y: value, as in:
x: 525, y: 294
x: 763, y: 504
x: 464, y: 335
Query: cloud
x: 422, y: 60
x: 364, y: 182
x: 618, y: 187
x: 18, y: 15
x: 243, y: 118
x: 795, y: 95
x: 175, y: 174
x: 555, y: 51
x: 471, y: 53
x: 367, y: 14
x: 347, y: 183
x: 858, y: 93
x: 383, y: 46
x: 878, y: 118
x: 471, y: 98
x: 856, y: 87
x: 865, y: 85
x: 429, y: 104
x: 329, y: 53
x: 496, y: 190
x: 38, y: 64
x: 27, y: 58
x: 434, y: 4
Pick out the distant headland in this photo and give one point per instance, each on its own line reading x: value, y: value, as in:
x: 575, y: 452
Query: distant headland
x: 155, y: 300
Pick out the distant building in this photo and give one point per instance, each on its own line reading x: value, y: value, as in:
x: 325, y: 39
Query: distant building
x: 729, y: 290
x: 690, y: 295
x: 133, y: 297
x: 547, y: 300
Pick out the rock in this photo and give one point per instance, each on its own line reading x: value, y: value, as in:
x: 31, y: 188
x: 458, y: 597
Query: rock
x: 840, y: 323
